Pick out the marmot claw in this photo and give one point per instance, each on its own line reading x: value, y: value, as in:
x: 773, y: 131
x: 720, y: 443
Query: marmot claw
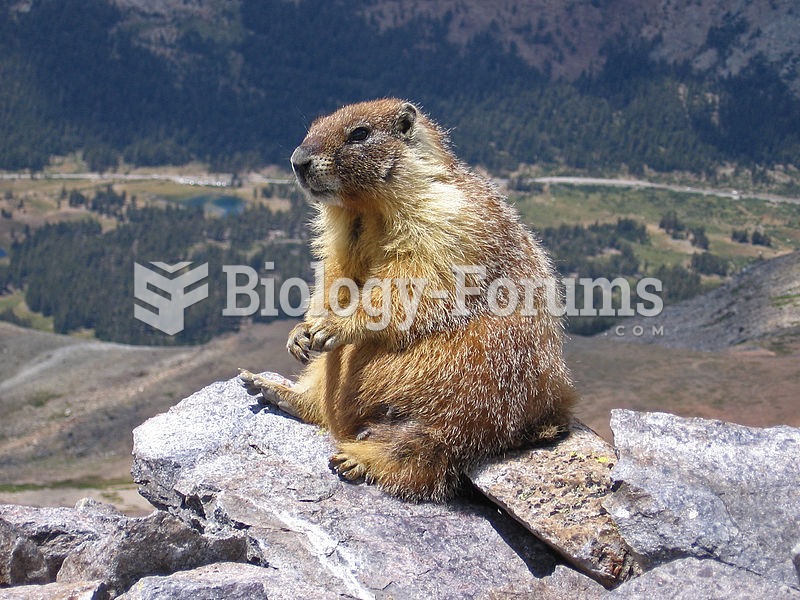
x: 347, y: 468
x: 299, y: 343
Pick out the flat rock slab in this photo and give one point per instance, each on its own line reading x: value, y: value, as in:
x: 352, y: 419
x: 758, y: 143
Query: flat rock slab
x: 220, y: 460
x: 707, y: 489
x: 555, y: 491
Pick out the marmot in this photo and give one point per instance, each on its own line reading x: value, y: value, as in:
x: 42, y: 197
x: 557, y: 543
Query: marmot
x: 412, y: 407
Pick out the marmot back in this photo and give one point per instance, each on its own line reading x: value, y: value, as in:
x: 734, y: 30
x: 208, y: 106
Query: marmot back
x: 431, y: 344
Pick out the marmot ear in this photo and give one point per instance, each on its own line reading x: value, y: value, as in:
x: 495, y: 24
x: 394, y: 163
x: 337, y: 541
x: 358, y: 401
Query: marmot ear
x: 406, y: 118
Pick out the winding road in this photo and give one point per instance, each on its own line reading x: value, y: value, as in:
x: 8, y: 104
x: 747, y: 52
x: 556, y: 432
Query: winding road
x: 214, y: 180
x: 684, y: 189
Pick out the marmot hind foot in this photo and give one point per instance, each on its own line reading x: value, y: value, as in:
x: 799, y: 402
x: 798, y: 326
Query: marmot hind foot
x: 272, y: 393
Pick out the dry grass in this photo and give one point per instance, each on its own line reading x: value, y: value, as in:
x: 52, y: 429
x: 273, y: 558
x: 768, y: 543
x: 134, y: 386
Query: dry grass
x: 69, y: 405
x: 756, y: 388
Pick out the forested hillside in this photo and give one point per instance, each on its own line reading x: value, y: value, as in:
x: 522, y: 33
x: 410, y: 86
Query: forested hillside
x: 234, y: 84
x: 597, y: 86
x: 83, y: 277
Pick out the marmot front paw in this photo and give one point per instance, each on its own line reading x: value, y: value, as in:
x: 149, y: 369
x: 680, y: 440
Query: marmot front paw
x: 317, y: 336
x: 251, y: 382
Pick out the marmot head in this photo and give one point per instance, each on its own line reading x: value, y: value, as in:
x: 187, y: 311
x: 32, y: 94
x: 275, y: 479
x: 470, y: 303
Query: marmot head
x: 363, y: 151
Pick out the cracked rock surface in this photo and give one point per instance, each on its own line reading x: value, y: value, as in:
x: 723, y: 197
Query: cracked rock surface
x: 237, y: 465
x: 693, y: 579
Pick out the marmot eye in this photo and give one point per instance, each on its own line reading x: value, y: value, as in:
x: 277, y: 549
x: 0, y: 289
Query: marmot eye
x: 359, y: 134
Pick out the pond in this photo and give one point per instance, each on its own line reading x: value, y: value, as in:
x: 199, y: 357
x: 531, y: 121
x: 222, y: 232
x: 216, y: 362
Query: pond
x: 221, y: 205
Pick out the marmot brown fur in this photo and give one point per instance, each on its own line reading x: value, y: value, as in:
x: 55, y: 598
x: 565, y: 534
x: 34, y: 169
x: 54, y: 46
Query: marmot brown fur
x: 412, y: 407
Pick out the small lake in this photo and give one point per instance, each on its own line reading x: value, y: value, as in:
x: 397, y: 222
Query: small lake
x: 221, y: 205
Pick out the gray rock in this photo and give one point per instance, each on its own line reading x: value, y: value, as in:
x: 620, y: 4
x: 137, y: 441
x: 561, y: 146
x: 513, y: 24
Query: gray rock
x: 555, y: 491
x: 82, y: 590
x: 93, y: 541
x: 54, y: 533
x: 231, y: 581
x: 220, y: 460
x: 566, y: 584
x: 21, y: 562
x: 158, y: 544
x: 796, y: 559
x: 693, y: 579
x: 707, y: 489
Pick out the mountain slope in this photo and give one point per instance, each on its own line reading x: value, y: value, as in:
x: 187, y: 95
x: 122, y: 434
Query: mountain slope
x: 564, y: 39
x: 668, y: 84
x: 570, y: 39
x: 758, y: 307
x: 69, y: 405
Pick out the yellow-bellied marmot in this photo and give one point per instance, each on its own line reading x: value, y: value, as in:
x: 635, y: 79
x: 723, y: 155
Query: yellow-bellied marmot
x: 414, y: 402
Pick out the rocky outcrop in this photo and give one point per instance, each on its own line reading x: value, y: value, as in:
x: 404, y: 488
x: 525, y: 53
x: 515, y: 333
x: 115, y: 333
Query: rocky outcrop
x: 95, y: 543
x: 22, y: 561
x: 239, y: 465
x: 707, y: 489
x: 682, y: 508
x: 35, y: 542
x: 160, y: 543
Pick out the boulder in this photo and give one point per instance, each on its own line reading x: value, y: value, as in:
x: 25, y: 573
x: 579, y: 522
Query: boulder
x: 555, y: 491
x: 220, y: 460
x: 693, y: 579
x: 53, y: 533
x: 707, y: 489
x: 158, y: 544
x: 21, y: 561
x: 95, y: 542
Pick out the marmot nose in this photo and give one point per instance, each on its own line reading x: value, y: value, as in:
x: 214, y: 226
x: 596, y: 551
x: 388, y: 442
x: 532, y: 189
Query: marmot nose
x: 301, y: 161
